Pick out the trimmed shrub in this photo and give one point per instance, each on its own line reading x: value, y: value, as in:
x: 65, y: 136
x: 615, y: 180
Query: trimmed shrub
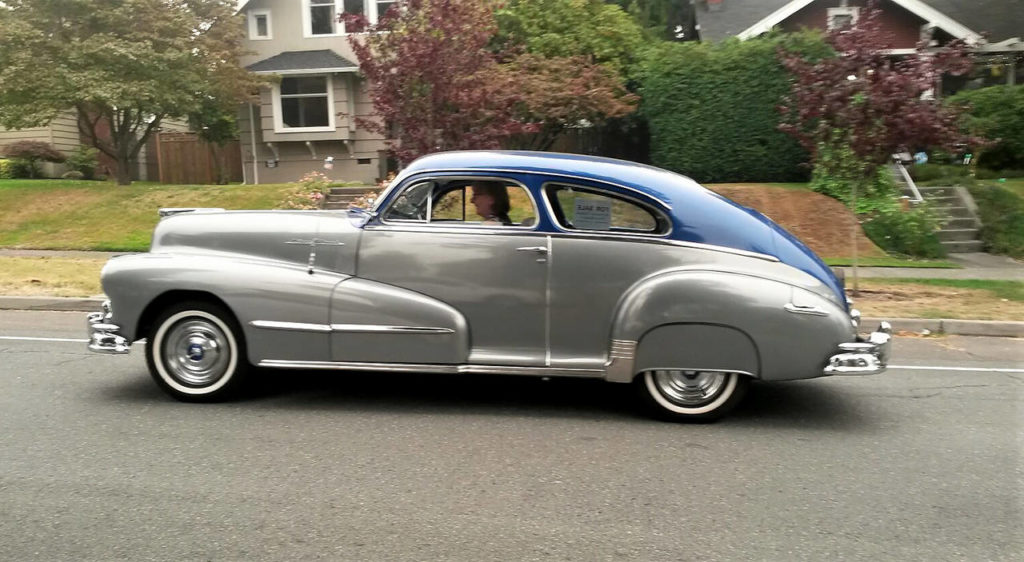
x: 932, y: 172
x: 911, y: 232
x: 996, y: 112
x: 19, y: 169
x: 84, y: 160
x: 1002, y: 218
x: 31, y: 153
x: 5, y: 169
x: 712, y: 108
x: 73, y: 175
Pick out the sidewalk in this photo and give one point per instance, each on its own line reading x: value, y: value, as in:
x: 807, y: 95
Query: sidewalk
x: 975, y: 266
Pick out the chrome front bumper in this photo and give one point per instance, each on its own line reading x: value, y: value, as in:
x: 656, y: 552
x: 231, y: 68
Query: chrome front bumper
x: 867, y: 357
x: 104, y: 336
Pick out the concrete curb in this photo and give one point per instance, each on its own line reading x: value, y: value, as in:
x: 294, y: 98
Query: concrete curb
x: 60, y: 304
x: 992, y: 328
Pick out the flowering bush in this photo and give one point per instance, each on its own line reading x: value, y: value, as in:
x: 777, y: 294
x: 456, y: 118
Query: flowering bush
x: 309, y: 194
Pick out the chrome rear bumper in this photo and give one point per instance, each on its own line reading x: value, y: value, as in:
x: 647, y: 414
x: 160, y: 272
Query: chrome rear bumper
x: 104, y: 336
x: 863, y: 357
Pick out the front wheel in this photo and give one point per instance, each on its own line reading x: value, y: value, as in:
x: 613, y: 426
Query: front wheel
x: 698, y: 396
x: 196, y: 352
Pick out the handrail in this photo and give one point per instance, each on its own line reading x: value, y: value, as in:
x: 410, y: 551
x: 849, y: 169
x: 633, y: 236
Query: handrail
x: 898, y: 162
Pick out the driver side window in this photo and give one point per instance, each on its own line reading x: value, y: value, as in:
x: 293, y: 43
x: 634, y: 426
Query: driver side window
x: 465, y: 202
x: 412, y: 205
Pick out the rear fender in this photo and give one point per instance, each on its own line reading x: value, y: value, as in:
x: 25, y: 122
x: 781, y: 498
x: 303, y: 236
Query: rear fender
x: 729, y: 320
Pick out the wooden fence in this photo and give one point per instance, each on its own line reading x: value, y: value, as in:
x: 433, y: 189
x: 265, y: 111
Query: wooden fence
x: 184, y: 159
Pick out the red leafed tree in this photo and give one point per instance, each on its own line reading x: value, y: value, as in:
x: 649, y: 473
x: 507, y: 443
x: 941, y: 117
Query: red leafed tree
x: 437, y: 82
x: 869, y: 101
x: 558, y: 93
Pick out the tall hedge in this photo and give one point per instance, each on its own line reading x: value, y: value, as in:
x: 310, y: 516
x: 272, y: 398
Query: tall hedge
x: 712, y: 111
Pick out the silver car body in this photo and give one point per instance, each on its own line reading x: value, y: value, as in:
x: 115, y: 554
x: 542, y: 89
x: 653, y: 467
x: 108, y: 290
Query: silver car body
x: 350, y: 291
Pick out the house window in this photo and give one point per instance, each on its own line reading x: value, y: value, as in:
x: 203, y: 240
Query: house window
x: 259, y: 25
x: 844, y: 16
x: 323, y: 15
x: 382, y: 8
x: 304, y: 104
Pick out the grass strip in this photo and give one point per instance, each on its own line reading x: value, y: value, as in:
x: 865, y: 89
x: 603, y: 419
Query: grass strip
x: 891, y: 261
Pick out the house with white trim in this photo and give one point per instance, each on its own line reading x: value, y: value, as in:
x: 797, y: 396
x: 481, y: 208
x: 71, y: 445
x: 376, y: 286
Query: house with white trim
x: 307, y: 121
x: 992, y: 29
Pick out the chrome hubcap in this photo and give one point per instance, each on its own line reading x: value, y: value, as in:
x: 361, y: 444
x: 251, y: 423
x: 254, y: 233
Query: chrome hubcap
x: 196, y: 352
x: 690, y: 388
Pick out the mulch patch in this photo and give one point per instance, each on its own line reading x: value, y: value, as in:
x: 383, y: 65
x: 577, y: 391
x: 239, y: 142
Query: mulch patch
x: 821, y: 222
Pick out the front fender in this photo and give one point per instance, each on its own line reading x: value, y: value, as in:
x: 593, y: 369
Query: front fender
x: 253, y: 289
x: 734, y: 309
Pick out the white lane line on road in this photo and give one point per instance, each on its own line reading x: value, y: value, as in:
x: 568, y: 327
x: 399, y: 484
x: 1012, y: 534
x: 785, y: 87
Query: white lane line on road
x: 929, y: 368
x: 20, y: 338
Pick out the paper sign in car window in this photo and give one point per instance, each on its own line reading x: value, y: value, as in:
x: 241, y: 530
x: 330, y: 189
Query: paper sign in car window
x: 592, y: 214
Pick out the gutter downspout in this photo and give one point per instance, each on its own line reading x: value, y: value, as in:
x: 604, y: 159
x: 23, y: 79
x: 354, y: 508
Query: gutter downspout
x: 252, y: 140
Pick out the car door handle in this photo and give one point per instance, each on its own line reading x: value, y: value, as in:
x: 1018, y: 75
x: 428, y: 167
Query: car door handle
x: 534, y: 249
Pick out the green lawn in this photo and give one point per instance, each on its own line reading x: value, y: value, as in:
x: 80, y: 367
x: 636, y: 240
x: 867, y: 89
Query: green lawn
x: 1015, y: 185
x: 89, y: 215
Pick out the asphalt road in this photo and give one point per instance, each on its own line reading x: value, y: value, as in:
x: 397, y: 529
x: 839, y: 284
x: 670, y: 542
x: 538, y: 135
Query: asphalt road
x: 914, y: 464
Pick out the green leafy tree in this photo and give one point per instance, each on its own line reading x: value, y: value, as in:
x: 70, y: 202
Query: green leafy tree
x: 124, y: 65
x: 594, y: 29
x: 996, y: 113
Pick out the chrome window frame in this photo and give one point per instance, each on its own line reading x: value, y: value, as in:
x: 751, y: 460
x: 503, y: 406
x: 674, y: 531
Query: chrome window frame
x: 405, y: 175
x: 456, y: 226
x: 609, y: 233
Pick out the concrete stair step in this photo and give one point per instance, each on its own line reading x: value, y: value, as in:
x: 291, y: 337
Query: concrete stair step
x: 956, y: 223
x: 962, y: 246
x: 929, y: 192
x: 952, y: 212
x: 958, y: 234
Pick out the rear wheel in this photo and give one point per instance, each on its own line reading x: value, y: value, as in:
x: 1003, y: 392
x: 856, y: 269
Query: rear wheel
x: 698, y: 396
x: 196, y: 352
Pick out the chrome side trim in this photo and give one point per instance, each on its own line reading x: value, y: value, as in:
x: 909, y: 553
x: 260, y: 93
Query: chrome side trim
x: 801, y: 309
x: 349, y: 328
x: 621, y: 361
x: 433, y: 368
x: 379, y: 328
x: 290, y: 326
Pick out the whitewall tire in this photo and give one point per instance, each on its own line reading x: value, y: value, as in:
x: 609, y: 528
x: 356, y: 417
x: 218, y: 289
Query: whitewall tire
x: 196, y: 352
x: 677, y: 395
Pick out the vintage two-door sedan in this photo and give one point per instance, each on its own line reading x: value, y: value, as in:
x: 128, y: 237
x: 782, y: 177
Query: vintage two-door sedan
x: 493, y: 262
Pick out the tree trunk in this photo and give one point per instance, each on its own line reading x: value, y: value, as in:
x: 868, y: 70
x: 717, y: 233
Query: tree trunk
x: 124, y: 173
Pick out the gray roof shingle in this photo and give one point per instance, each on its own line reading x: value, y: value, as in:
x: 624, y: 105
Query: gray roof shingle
x: 998, y: 19
x: 296, y: 61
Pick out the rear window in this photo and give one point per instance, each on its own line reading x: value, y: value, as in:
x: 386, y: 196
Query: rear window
x: 595, y: 210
